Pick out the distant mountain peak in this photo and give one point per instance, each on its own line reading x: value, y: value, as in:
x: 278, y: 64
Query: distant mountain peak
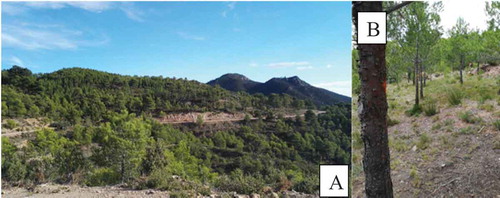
x: 235, y: 76
x: 233, y: 82
x: 293, y: 86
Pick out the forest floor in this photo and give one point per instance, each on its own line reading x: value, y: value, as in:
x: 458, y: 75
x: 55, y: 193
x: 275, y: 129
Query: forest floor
x: 454, y: 152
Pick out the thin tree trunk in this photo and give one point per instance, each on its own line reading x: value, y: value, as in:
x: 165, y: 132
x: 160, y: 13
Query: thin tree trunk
x: 372, y: 110
x: 422, y: 76
x: 461, y: 68
x: 416, y: 78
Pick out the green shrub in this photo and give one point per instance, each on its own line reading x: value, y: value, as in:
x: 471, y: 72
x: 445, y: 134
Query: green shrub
x: 455, y: 96
x: 468, y: 117
x: 430, y: 108
x: 414, y: 111
x: 10, y: 124
x: 103, y: 176
x: 180, y: 194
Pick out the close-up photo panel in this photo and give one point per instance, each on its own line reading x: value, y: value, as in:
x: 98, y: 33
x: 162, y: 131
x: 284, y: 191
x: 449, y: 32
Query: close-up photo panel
x: 250, y: 99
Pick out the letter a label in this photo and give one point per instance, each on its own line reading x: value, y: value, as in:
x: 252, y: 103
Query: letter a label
x: 334, y: 180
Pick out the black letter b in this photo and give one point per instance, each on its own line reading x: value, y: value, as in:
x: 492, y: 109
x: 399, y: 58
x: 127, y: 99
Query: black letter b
x: 370, y: 29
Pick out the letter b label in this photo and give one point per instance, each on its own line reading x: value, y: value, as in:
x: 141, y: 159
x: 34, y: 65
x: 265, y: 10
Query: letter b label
x: 372, y: 28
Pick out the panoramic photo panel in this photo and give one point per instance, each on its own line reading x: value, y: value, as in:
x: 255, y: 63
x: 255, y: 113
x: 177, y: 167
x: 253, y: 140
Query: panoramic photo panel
x: 176, y: 99
x: 427, y: 98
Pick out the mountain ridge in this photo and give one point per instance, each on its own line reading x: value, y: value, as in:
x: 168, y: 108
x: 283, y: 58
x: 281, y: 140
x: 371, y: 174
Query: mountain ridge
x: 293, y: 86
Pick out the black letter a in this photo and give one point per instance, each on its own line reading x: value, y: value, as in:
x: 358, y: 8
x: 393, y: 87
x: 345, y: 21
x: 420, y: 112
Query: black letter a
x: 370, y: 29
x: 338, y: 183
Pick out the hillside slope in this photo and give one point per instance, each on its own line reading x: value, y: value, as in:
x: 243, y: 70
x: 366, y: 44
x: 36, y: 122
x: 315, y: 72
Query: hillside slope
x: 451, y: 148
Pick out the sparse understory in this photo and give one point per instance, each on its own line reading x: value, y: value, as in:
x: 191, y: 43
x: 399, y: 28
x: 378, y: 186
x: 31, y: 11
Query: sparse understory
x: 450, y: 147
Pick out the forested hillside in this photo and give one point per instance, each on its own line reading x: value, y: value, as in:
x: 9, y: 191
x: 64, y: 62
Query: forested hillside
x: 98, y: 128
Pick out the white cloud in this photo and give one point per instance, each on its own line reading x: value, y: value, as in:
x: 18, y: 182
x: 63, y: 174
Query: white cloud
x: 472, y: 12
x: 16, y: 61
x: 340, y: 87
x: 288, y: 64
x: 190, y: 36
x: 329, y: 66
x: 12, y: 9
x: 230, y: 6
x: 92, y: 6
x: 305, y: 67
x: 253, y: 64
x: 128, y: 8
x: 34, y: 37
x: 132, y: 12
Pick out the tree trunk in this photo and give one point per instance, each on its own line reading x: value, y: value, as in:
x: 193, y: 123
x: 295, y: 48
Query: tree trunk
x: 372, y: 110
x: 416, y: 79
x: 422, y: 76
x: 461, y: 68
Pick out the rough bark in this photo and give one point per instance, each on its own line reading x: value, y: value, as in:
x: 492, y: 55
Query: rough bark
x: 372, y: 110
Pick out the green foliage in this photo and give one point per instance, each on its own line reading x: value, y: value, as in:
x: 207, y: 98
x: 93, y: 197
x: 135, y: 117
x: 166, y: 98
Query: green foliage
x: 102, y: 177
x: 78, y: 94
x: 430, y: 108
x: 455, y: 96
x: 105, y: 133
x: 10, y: 124
x: 414, y: 111
x: 199, y: 120
x: 469, y: 117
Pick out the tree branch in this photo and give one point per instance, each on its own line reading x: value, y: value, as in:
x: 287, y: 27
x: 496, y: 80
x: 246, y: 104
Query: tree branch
x: 398, y: 6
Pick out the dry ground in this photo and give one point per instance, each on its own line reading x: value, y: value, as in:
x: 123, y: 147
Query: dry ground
x: 443, y: 155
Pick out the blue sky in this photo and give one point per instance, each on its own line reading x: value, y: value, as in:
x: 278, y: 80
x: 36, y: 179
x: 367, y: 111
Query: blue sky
x: 196, y: 40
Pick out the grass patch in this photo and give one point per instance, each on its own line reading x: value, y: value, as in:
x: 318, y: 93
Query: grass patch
x: 486, y: 107
x: 467, y: 130
x: 430, y: 108
x: 392, y: 122
x: 414, y: 176
x: 436, y: 126
x: 423, y: 141
x: 398, y: 145
x: 496, y: 124
x: 414, y: 111
x: 484, y: 94
x: 455, y: 96
x: 468, y: 117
